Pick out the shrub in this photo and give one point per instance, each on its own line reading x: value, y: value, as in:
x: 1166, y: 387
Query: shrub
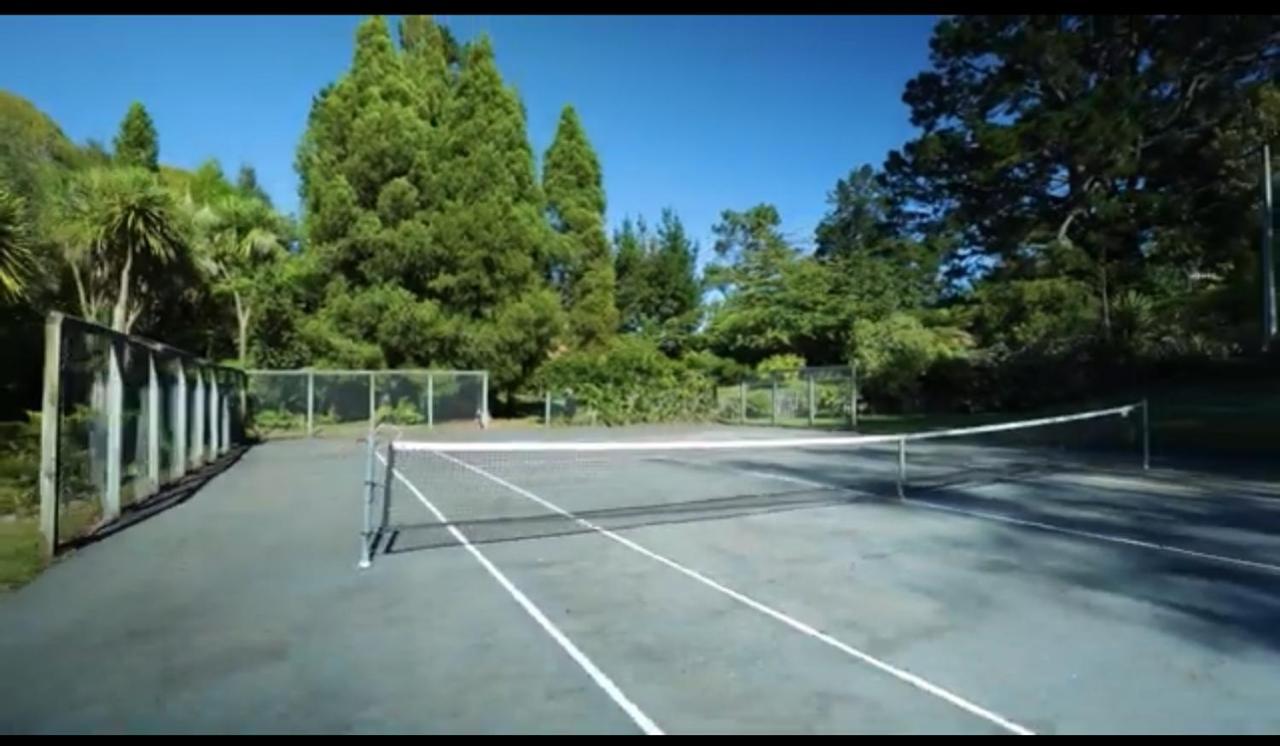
x: 630, y: 381
x: 279, y: 419
x: 403, y: 413
x: 785, y: 367
x: 20, y: 466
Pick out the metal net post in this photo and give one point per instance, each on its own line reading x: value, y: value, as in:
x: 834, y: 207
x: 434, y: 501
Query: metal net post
x: 431, y: 400
x: 366, y: 536
x: 853, y: 395
x: 773, y: 401
x: 1146, y: 436
x: 311, y: 404
x: 902, y: 467
x: 812, y: 412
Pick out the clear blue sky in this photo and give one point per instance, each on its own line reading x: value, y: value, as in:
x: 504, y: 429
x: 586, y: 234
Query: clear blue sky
x: 700, y: 114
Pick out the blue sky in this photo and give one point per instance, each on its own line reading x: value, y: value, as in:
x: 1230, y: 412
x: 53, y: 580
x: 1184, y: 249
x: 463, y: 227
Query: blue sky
x: 696, y: 113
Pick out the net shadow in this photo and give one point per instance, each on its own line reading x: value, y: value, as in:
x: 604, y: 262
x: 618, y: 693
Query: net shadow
x: 409, y: 537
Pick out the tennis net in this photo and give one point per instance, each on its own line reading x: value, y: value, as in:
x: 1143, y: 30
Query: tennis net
x: 504, y: 490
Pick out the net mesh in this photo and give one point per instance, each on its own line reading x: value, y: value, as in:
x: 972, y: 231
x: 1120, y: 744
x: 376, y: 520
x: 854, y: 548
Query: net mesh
x: 496, y: 489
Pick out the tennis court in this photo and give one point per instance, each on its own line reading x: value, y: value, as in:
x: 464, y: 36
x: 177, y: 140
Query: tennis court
x: 677, y: 580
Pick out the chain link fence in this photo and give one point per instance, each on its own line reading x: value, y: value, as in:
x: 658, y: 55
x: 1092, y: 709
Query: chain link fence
x: 805, y: 397
x: 582, y: 405
x: 338, y: 403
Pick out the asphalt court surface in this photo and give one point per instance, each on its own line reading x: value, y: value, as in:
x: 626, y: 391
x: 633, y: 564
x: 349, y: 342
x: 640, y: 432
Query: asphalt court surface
x: 768, y: 592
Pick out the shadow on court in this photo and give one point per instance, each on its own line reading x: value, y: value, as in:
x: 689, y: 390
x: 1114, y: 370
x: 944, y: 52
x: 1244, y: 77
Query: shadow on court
x: 1214, y: 597
x: 434, y: 535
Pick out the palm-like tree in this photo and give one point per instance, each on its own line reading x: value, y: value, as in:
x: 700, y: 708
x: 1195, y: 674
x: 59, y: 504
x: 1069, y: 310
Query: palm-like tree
x: 121, y: 229
x: 239, y: 236
x: 15, y: 246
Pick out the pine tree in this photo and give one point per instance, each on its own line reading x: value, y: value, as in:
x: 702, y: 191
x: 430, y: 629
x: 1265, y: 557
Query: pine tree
x: 427, y: 70
x: 631, y: 275
x: 490, y: 238
x: 365, y: 146
x: 137, y: 143
x: 658, y: 291
x: 425, y: 64
x: 247, y: 183
x: 674, y: 275
x: 575, y: 204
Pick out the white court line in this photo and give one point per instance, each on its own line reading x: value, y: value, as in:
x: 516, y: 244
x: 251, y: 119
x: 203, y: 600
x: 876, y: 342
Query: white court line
x: 602, y: 680
x: 898, y: 673
x: 1112, y: 538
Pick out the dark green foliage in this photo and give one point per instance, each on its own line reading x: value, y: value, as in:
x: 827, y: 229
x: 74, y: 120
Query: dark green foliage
x: 1121, y: 142
x: 137, y: 144
x: 582, y: 268
x: 426, y: 64
x: 628, y: 381
x: 16, y: 262
x: 247, y: 184
x: 775, y: 299
x: 659, y: 293
x: 490, y: 239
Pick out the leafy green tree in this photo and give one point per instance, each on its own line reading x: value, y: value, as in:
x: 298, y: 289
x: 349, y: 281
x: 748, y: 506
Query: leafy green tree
x: 123, y: 234
x: 631, y: 271
x: 241, y: 238
x: 137, y: 143
x: 15, y: 246
x: 677, y: 289
x: 771, y: 294
x: 858, y: 220
x: 659, y: 292
x: 426, y: 64
x: 628, y: 380
x: 894, y: 353
x: 582, y: 266
x: 247, y: 184
x: 785, y: 365
x: 36, y: 163
x: 35, y: 155
x: 368, y: 180
x: 1120, y: 141
x: 491, y: 240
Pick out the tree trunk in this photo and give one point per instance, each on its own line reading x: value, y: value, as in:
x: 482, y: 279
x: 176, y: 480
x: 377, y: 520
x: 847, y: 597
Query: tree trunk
x: 119, y: 314
x: 87, y: 310
x: 242, y: 323
x: 1106, y: 300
